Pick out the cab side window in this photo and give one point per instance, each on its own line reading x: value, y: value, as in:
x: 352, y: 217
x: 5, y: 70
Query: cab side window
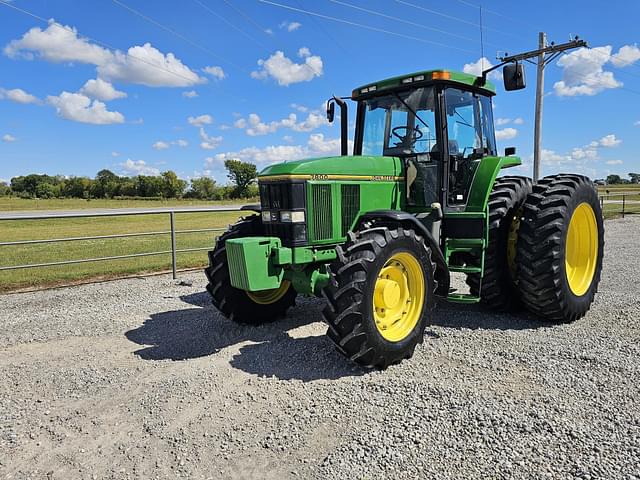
x: 466, y: 140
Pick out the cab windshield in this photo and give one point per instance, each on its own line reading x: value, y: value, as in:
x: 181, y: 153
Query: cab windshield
x: 400, y: 124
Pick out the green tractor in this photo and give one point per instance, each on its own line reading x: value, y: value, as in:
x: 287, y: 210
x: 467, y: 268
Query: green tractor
x: 379, y: 234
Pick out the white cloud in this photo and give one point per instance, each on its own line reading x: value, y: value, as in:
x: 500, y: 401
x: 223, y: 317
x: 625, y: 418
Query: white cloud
x: 200, y: 120
x: 614, y: 162
x: 143, y: 65
x: 18, y: 95
x: 285, y: 71
x: 290, y: 26
x: 148, y: 66
x: 208, y: 142
x: 288, y: 138
x: 609, y: 141
x: 224, y: 126
x: 57, y: 44
x: 255, y: 126
x: 476, y: 68
x: 583, y: 72
x: 627, y: 55
x: 215, y: 71
x: 160, y: 145
x: 316, y: 146
x: 138, y: 167
x: 637, y: 124
x: 190, y: 94
x: 506, y: 121
x: 7, y: 138
x: 80, y: 108
x: 115, y: 154
x: 300, y: 108
x: 101, y: 89
x: 180, y: 142
x: 506, y: 134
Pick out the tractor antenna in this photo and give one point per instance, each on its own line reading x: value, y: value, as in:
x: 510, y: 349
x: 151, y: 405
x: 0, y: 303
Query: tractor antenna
x: 481, y: 41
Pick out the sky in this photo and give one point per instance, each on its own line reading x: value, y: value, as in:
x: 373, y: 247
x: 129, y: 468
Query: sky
x: 141, y: 87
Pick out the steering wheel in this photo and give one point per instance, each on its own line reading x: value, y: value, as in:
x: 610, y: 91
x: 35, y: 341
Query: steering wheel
x: 416, y: 133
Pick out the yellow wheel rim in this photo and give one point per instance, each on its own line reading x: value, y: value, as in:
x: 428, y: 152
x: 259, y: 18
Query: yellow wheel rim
x: 398, y: 297
x: 267, y: 297
x: 581, y: 250
x: 512, y: 242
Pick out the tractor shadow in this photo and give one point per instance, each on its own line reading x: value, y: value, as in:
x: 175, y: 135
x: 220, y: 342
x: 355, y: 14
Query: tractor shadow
x: 273, y: 352
x: 475, y: 316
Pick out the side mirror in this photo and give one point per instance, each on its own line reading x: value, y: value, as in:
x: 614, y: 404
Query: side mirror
x: 513, y: 74
x: 331, y: 110
x: 509, y: 151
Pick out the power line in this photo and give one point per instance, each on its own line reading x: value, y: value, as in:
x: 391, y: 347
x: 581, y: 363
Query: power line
x: 176, y: 34
x: 451, y: 17
x: 361, y: 25
x: 407, y: 22
x: 213, y: 12
x: 250, y: 19
x: 97, y: 42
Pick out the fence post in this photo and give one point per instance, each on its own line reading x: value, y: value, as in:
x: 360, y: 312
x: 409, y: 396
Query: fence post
x: 173, y: 245
x: 602, y: 203
x: 623, y: 199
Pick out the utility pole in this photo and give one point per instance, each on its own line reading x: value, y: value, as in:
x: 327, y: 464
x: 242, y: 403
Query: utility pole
x: 537, y: 142
x: 545, y: 54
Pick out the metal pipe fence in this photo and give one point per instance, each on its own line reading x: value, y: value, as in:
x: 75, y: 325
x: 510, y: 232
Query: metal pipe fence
x: 623, y: 203
x: 172, y: 232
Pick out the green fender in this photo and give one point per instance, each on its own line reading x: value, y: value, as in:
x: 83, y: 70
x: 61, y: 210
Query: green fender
x: 484, y: 178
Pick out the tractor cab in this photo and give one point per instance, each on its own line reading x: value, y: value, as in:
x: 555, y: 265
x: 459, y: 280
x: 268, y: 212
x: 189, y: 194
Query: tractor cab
x: 438, y: 122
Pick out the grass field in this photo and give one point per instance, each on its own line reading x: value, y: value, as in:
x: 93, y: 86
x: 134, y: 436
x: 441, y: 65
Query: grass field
x: 15, y: 204
x: 62, y: 228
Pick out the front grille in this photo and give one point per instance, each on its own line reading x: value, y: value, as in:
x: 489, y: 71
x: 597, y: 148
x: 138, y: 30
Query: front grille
x: 290, y: 196
x: 322, y: 218
x: 350, y: 205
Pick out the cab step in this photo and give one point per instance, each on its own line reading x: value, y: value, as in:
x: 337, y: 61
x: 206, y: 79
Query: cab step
x: 462, y: 298
x: 465, y: 269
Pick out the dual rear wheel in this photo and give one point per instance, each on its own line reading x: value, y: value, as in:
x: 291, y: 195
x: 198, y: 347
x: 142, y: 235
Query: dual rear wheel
x: 545, y: 247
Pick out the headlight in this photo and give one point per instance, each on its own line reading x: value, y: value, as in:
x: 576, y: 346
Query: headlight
x: 297, y: 217
x: 285, y: 216
x: 292, y: 217
x: 266, y: 216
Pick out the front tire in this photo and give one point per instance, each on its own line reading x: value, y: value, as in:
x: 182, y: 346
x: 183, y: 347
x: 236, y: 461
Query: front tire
x: 380, y: 295
x: 560, y: 247
x: 237, y: 305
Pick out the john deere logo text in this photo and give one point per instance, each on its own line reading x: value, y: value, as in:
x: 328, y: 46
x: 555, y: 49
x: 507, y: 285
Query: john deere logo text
x: 382, y: 178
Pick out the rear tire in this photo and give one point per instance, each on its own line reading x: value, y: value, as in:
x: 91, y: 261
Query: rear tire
x: 560, y: 248
x: 357, y: 295
x: 237, y: 305
x: 498, y: 287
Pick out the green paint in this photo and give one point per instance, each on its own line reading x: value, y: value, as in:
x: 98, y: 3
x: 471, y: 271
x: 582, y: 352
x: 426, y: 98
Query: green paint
x: 251, y: 265
x: 361, y: 165
x: 455, y: 77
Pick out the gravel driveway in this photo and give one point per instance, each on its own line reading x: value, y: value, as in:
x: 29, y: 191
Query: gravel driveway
x: 141, y: 378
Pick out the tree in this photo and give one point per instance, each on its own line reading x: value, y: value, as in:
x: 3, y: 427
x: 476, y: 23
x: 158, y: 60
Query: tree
x: 635, y: 177
x: 173, y: 187
x: 242, y: 175
x: 613, y: 179
x: 106, y: 184
x: 45, y: 190
x: 4, y: 189
x: 204, y: 188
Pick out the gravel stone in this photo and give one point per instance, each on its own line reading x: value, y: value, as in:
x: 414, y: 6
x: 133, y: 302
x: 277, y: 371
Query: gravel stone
x: 142, y: 378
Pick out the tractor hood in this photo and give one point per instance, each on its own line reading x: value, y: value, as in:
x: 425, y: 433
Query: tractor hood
x: 329, y: 168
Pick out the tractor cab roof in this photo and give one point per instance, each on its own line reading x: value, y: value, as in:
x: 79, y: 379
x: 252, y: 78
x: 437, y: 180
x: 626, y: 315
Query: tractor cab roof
x: 416, y: 79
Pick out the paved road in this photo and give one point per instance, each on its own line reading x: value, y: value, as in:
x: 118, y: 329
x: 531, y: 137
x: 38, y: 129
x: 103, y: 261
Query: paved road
x: 90, y: 212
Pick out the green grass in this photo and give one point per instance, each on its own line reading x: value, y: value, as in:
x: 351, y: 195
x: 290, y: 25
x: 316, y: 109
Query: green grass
x: 61, y: 228
x: 15, y: 204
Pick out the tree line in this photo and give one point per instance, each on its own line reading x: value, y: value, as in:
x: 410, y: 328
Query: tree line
x: 618, y: 180
x: 106, y: 184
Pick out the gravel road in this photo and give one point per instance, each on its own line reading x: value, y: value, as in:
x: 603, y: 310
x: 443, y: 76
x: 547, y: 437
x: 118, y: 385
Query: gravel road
x: 141, y: 378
